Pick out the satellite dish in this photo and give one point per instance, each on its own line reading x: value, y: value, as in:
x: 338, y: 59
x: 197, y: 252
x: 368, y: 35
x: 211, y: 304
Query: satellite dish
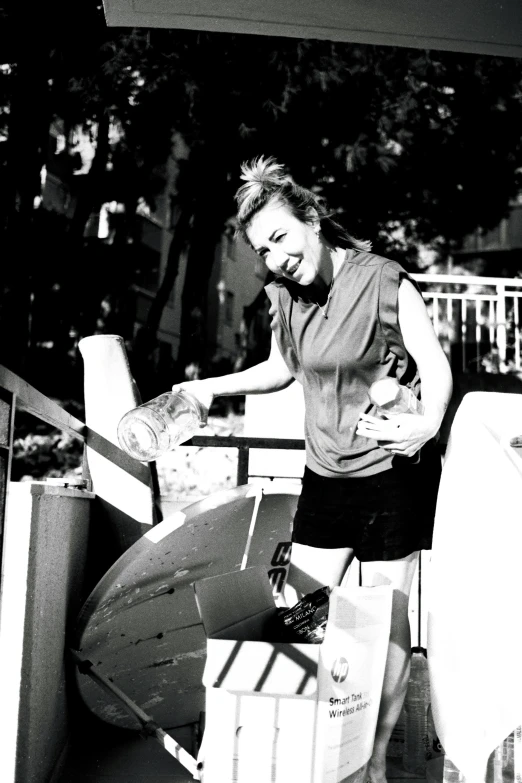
x: 140, y: 626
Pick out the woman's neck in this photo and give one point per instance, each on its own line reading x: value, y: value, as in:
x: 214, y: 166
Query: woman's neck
x: 333, y: 259
x: 338, y: 255
x: 332, y: 262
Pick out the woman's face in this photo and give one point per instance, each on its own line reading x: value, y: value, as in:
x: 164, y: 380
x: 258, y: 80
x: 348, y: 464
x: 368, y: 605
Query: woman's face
x: 289, y: 247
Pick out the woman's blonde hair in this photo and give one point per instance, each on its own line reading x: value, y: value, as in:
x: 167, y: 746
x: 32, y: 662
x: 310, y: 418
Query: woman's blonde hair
x: 266, y: 181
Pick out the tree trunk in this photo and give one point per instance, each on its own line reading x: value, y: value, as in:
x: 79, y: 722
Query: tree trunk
x: 146, y: 339
x: 253, y: 354
x: 210, y: 213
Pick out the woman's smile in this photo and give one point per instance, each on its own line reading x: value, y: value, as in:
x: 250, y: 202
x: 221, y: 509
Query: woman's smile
x: 292, y: 268
x: 288, y: 246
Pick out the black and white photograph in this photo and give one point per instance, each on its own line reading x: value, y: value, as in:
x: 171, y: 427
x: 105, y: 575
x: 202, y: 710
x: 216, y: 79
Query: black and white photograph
x: 261, y: 391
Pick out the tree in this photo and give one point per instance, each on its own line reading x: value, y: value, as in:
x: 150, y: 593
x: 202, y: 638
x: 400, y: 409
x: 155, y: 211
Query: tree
x: 406, y: 146
x: 31, y: 44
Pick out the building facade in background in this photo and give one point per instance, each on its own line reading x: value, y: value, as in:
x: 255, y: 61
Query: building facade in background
x: 499, y: 250
x: 237, y: 278
x: 235, y: 327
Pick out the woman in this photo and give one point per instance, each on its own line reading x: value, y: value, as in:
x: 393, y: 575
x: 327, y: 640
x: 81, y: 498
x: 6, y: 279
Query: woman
x: 343, y: 318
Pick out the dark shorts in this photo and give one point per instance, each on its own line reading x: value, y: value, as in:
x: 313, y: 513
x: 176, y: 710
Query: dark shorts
x: 382, y: 517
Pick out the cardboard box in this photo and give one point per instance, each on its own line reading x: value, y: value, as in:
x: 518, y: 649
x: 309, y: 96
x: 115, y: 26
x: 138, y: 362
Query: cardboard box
x: 298, y: 713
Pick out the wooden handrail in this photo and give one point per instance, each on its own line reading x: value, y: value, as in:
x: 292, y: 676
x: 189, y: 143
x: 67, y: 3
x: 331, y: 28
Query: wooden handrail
x: 31, y: 400
x: 422, y: 277
x: 37, y: 404
x: 243, y: 444
x: 34, y: 402
x: 245, y: 441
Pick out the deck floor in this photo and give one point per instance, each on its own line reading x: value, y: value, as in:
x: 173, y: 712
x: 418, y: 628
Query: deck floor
x: 114, y: 757
x: 99, y: 753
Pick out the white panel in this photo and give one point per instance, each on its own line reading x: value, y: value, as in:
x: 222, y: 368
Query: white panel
x: 276, y: 415
x: 467, y: 26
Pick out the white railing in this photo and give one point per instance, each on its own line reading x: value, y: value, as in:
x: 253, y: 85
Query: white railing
x: 480, y: 315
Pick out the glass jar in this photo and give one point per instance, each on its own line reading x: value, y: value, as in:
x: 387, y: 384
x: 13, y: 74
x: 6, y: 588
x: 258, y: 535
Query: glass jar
x: 158, y: 426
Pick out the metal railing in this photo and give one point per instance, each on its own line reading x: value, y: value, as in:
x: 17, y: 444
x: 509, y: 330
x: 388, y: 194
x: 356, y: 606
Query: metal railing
x: 477, y: 313
x: 15, y: 393
x: 480, y: 315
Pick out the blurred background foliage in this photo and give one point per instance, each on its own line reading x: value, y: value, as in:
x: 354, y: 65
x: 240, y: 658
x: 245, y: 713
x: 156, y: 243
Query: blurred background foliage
x: 413, y: 149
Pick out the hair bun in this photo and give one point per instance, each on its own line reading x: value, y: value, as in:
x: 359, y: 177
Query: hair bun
x: 264, y: 171
x: 265, y: 182
x: 262, y: 177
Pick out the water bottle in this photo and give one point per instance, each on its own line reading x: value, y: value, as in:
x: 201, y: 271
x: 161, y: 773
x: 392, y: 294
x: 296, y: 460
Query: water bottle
x: 433, y: 745
x: 389, y: 398
x: 501, y: 763
x: 508, y: 757
x: 450, y: 773
x: 500, y: 766
x: 415, y: 710
x: 494, y: 771
x: 434, y: 751
x: 435, y: 770
x: 517, y: 754
x: 158, y: 426
x: 396, y: 743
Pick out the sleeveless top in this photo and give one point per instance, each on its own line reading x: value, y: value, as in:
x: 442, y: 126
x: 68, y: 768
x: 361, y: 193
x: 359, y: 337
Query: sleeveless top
x: 336, y: 359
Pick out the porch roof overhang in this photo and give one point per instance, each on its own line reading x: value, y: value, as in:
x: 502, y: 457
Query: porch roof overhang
x: 480, y: 26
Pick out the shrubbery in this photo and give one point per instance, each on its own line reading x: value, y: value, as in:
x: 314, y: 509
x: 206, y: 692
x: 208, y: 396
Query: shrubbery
x: 41, y: 451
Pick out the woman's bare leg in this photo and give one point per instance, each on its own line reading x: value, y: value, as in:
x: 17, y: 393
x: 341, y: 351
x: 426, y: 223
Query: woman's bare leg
x: 399, y: 574
x: 313, y: 567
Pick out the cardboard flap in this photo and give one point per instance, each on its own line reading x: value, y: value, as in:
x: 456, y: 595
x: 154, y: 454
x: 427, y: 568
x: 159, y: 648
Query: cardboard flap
x: 262, y: 667
x: 229, y: 602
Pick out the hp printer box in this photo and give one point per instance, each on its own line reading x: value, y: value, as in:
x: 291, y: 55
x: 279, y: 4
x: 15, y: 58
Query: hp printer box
x: 279, y: 713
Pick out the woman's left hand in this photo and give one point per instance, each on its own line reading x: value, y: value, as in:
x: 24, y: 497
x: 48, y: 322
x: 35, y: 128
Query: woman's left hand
x: 403, y: 434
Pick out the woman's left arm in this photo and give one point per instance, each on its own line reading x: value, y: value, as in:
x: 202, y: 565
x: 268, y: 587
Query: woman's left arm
x: 405, y: 434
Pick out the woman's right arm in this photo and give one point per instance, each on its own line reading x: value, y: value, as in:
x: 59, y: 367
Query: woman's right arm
x: 268, y: 376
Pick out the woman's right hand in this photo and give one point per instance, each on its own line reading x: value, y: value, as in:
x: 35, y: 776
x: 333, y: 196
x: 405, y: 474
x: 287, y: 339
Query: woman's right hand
x: 202, y: 391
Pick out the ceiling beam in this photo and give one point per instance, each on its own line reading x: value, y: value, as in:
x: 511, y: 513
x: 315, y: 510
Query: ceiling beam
x: 476, y: 26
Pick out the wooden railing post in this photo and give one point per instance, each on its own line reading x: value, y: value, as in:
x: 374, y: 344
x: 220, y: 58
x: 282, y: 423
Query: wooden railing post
x: 242, y: 465
x: 516, y: 325
x: 501, y: 326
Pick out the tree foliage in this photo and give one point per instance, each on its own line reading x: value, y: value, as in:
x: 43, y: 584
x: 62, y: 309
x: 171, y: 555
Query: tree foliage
x: 406, y: 146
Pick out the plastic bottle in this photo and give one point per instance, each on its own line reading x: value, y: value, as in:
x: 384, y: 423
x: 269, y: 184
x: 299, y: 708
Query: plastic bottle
x: 389, y: 398
x: 517, y: 754
x: 435, y: 770
x: 415, y: 710
x: 501, y: 762
x: 508, y: 757
x: 434, y: 751
x: 158, y: 426
x: 451, y: 774
x: 396, y: 744
x: 494, y: 771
